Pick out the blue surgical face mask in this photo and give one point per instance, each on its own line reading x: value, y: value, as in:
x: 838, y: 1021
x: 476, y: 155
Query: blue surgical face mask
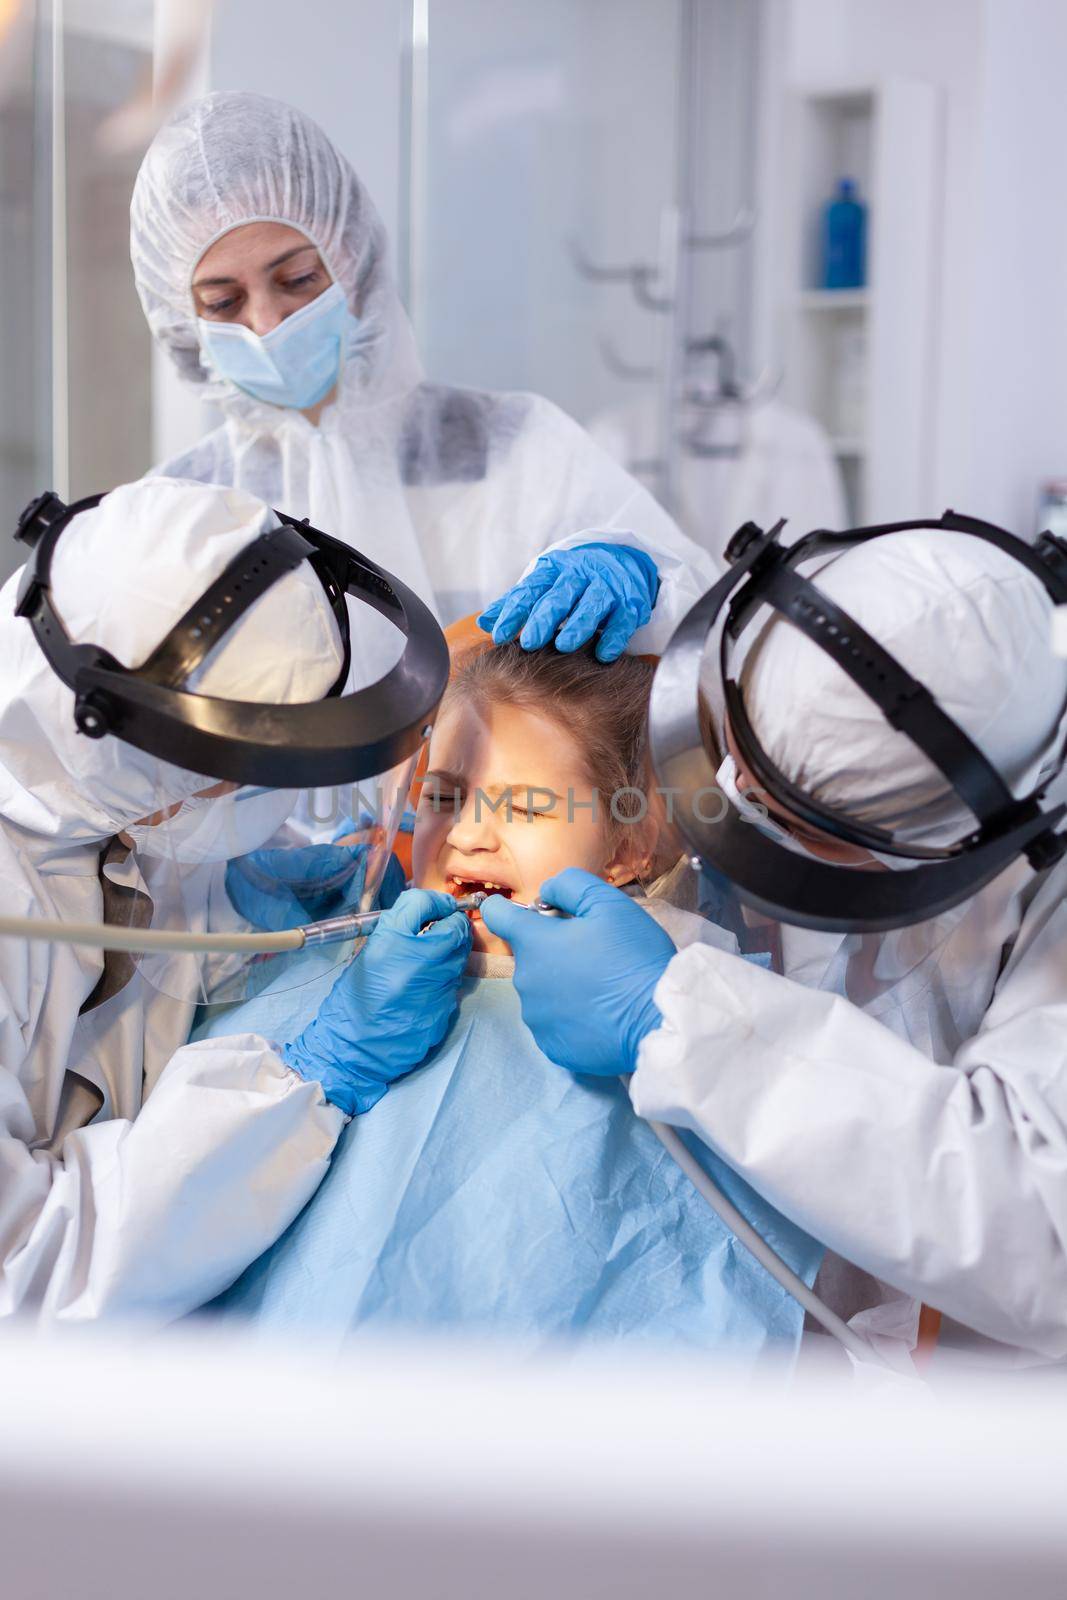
x: 296, y: 364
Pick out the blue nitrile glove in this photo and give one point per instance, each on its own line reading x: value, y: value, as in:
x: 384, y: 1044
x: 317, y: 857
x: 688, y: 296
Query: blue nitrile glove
x: 389, y: 1006
x: 585, y: 981
x: 350, y: 825
x: 610, y: 587
x: 282, y: 887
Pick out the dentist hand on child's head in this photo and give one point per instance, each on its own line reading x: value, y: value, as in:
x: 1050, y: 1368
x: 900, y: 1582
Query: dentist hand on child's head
x: 390, y: 1006
x: 586, y: 981
x: 606, y: 591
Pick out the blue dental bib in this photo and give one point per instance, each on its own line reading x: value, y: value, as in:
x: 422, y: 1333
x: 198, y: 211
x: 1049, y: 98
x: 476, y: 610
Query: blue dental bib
x: 493, y: 1193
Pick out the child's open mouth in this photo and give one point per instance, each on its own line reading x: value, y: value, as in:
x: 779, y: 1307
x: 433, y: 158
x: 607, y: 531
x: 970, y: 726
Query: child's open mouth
x: 463, y: 886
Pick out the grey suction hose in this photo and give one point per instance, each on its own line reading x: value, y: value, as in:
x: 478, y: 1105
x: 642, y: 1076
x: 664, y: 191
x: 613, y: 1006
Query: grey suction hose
x: 140, y: 941
x: 757, y: 1246
x: 104, y: 936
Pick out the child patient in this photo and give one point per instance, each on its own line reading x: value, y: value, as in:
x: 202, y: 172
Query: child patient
x: 490, y: 1191
x: 537, y: 763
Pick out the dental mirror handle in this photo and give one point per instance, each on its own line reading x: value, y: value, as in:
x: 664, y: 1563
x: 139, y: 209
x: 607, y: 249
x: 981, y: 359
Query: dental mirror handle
x: 542, y: 908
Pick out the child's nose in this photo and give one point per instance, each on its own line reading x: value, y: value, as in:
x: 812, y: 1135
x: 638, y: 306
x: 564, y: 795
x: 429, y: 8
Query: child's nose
x: 474, y: 828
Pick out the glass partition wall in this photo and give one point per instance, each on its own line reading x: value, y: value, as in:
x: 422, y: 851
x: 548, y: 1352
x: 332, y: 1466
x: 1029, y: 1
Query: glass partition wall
x: 75, y: 409
x: 26, y: 114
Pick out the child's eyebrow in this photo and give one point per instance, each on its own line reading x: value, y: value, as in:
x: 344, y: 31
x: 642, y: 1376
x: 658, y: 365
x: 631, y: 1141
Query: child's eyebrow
x: 519, y: 791
x: 533, y: 797
x: 441, y: 775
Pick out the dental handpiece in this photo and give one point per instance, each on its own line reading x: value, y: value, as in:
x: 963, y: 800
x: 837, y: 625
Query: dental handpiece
x: 357, y: 924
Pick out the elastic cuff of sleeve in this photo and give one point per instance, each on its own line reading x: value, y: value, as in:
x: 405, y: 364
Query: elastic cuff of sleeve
x: 650, y: 1018
x: 340, y: 1088
x: 354, y: 1099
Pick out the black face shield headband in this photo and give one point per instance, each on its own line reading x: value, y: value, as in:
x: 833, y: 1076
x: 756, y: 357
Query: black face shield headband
x: 336, y: 740
x: 768, y: 875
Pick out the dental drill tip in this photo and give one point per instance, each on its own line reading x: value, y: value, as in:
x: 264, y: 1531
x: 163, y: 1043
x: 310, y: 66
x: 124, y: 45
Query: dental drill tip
x: 471, y: 902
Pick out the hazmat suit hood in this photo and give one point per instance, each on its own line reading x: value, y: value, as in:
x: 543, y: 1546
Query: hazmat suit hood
x: 123, y: 574
x: 231, y: 158
x: 970, y: 624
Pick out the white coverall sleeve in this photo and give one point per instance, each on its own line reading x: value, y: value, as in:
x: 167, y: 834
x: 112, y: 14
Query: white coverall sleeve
x: 948, y: 1181
x: 152, y: 1217
x: 614, y: 508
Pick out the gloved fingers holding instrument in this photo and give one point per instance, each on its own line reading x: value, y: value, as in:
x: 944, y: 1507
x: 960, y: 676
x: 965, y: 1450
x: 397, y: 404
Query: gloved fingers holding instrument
x: 586, y: 980
x: 390, y: 1006
x: 606, y: 591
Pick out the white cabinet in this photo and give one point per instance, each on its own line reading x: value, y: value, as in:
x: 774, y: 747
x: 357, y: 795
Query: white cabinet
x: 862, y: 360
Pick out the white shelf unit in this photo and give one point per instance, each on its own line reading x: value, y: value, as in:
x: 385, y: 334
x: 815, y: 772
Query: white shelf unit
x: 861, y: 361
x: 833, y: 299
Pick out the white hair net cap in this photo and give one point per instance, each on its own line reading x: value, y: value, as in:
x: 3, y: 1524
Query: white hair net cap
x: 963, y: 618
x: 232, y: 158
x: 123, y: 574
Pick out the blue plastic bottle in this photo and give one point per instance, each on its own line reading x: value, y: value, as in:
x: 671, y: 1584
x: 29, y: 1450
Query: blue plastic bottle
x: 845, y: 240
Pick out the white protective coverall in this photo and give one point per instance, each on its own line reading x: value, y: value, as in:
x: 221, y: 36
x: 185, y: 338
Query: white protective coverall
x: 903, y: 1096
x: 138, y: 1175
x: 455, y: 491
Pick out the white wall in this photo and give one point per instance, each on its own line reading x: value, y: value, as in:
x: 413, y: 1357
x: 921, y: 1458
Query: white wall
x: 342, y: 63
x: 560, y: 122
x: 1018, y: 304
x: 1000, y: 422
x: 547, y: 123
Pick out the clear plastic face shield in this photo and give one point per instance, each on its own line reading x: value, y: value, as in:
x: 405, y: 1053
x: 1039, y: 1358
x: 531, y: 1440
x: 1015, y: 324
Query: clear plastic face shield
x: 251, y: 861
x: 268, y: 872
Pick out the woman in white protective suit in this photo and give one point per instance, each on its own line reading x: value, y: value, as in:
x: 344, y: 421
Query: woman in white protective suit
x: 263, y: 271
x: 901, y: 1095
x: 139, y: 1175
